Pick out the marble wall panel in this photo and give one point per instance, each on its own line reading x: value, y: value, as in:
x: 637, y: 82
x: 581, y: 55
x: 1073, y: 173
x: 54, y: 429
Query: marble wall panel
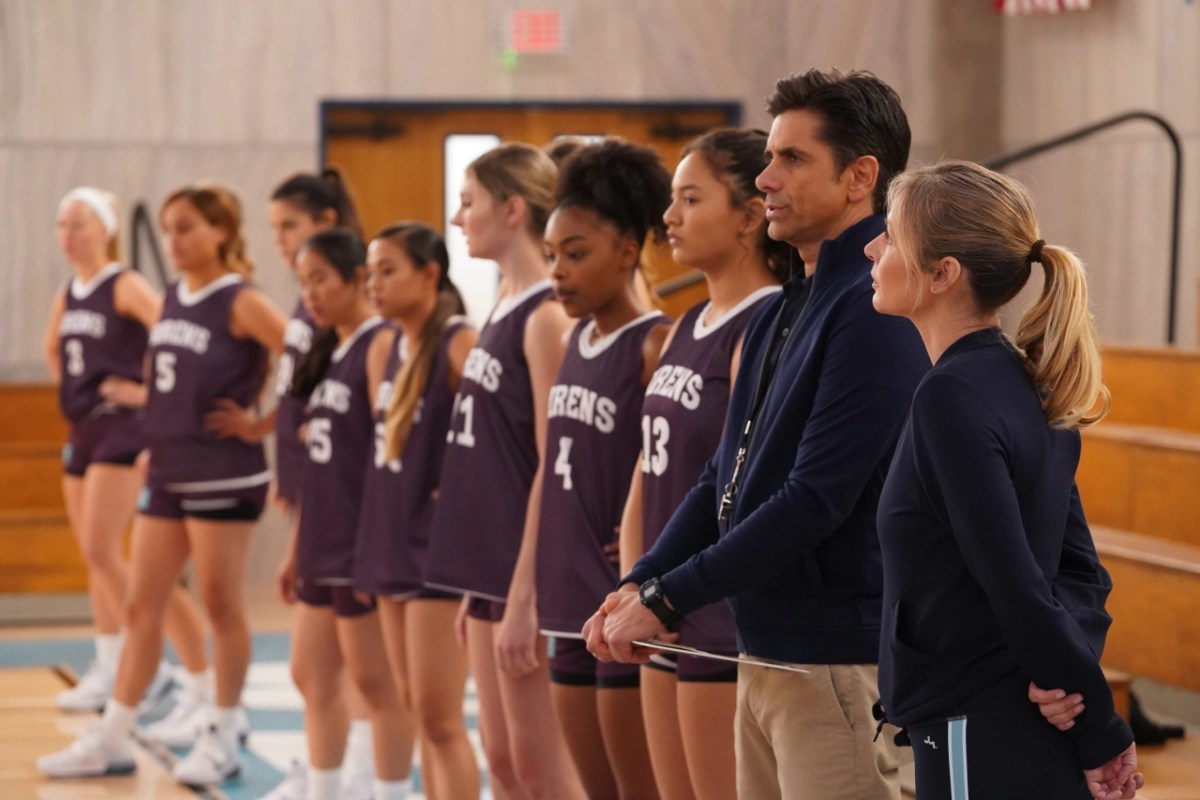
x: 193, y: 70
x: 633, y: 49
x: 892, y: 38
x: 1066, y: 70
x: 1177, y: 53
x: 77, y: 71
x: 254, y: 71
x: 1108, y: 201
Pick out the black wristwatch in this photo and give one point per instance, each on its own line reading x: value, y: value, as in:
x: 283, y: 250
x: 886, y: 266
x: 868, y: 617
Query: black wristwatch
x: 652, y: 597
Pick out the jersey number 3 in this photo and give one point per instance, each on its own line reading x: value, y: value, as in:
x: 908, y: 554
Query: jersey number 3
x: 74, y: 350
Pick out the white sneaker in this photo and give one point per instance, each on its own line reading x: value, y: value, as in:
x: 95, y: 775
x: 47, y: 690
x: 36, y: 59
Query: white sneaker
x: 160, y: 686
x: 97, y: 752
x: 90, y: 693
x: 192, y: 714
x: 182, y: 726
x: 294, y: 785
x: 210, y: 761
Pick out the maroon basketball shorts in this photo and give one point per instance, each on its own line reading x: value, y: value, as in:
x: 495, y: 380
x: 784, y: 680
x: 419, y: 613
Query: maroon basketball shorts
x: 572, y: 665
x: 481, y: 608
x: 340, y: 597
x: 695, y: 669
x: 103, y: 439
x: 232, y: 499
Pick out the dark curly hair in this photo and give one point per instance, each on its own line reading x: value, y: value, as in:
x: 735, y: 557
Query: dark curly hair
x: 624, y: 183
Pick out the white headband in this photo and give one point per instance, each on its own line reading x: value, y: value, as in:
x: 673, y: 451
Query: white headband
x: 95, y: 200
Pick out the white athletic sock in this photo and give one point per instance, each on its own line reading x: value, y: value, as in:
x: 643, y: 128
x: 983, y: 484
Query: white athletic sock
x: 360, y: 748
x: 226, y: 721
x: 392, y: 790
x: 108, y: 651
x: 324, y: 784
x: 200, y: 683
x: 118, y: 718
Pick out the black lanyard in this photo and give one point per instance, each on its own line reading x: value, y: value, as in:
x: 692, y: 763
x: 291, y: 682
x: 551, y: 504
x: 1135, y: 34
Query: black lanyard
x: 795, y: 298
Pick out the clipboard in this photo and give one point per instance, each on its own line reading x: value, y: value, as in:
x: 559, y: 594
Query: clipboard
x: 683, y: 649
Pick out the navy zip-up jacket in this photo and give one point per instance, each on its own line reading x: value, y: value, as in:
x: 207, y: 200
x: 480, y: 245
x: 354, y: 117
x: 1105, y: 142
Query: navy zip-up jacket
x: 799, y: 559
x: 991, y: 579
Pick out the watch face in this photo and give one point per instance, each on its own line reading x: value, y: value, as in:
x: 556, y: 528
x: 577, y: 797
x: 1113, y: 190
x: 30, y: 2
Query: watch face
x: 650, y: 591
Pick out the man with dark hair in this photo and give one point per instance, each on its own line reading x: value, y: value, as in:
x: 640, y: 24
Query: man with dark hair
x: 782, y: 522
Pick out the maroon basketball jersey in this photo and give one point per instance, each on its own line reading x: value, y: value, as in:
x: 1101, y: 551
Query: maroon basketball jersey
x: 399, y: 495
x: 290, y: 453
x: 194, y: 361
x: 491, y: 455
x: 340, y: 437
x: 592, y: 444
x: 94, y: 342
x: 683, y: 415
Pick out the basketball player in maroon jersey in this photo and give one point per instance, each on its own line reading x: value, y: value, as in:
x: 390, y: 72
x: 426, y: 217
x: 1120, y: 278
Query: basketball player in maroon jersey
x: 413, y: 379
x: 301, y: 206
x: 95, y: 350
x: 716, y: 224
x: 609, y: 197
x: 332, y: 629
x: 203, y: 492
x: 490, y: 487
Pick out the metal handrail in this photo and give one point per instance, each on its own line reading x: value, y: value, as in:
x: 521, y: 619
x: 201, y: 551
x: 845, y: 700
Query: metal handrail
x: 678, y: 283
x: 1002, y: 161
x: 143, y: 222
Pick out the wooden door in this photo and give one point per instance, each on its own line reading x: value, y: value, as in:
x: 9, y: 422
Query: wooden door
x: 394, y: 154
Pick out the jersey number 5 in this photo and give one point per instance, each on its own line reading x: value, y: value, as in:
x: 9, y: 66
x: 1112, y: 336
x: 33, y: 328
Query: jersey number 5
x: 164, y: 372
x: 320, y: 440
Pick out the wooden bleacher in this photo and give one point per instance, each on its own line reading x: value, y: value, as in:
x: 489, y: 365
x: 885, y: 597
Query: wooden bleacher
x: 1139, y: 477
x: 37, y: 550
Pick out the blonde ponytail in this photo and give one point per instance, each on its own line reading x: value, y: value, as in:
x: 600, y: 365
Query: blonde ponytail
x: 985, y: 220
x: 425, y: 249
x: 408, y: 386
x: 1058, y: 336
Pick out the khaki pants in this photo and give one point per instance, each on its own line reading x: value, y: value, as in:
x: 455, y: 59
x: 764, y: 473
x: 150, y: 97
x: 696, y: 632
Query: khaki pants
x: 808, y: 736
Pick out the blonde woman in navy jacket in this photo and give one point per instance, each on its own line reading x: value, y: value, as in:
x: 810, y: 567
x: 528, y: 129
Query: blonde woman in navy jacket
x: 990, y: 578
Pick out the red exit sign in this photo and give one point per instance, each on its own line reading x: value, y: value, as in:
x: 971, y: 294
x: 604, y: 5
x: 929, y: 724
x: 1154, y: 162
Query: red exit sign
x: 536, y: 32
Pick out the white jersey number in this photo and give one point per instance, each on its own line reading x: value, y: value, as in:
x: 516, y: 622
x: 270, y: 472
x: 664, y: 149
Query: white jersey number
x: 381, y: 459
x: 320, y: 440
x: 562, y: 464
x: 164, y: 372
x: 74, y: 349
x: 465, y: 406
x: 283, y: 374
x: 656, y: 432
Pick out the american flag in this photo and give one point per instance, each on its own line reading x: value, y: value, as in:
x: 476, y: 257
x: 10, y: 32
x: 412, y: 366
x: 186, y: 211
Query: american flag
x: 1040, y: 6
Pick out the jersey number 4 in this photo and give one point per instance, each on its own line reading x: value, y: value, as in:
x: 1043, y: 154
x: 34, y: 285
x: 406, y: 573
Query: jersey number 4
x: 562, y: 464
